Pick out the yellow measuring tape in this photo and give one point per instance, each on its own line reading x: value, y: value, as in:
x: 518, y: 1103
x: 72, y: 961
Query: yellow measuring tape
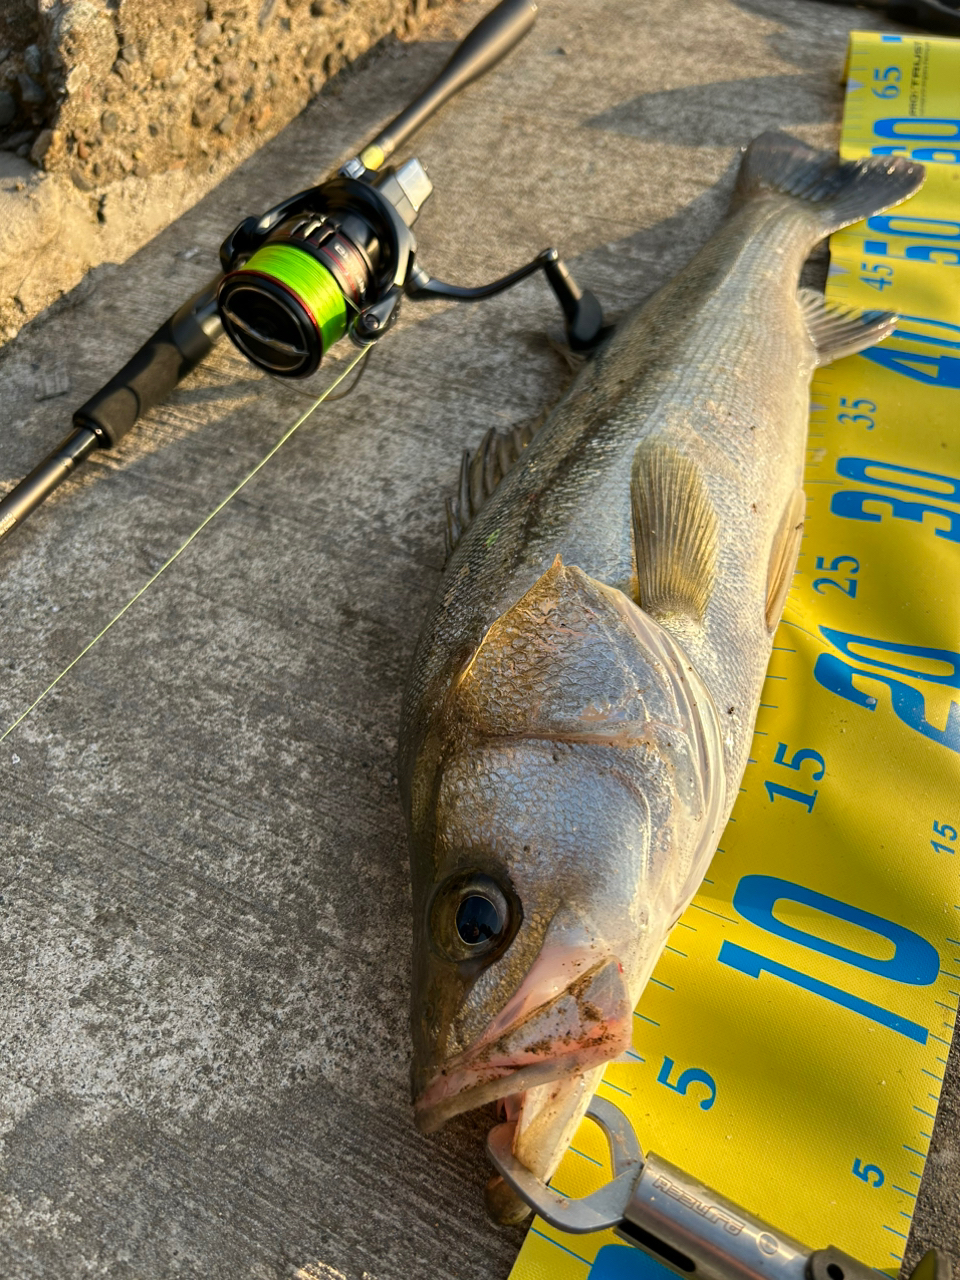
x: 790, y: 1047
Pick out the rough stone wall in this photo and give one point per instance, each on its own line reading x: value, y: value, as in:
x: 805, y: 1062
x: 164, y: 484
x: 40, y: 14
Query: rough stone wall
x: 100, y: 89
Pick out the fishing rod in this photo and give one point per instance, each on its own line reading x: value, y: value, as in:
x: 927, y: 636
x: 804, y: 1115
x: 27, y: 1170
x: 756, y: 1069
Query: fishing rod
x: 684, y: 1225
x: 330, y: 262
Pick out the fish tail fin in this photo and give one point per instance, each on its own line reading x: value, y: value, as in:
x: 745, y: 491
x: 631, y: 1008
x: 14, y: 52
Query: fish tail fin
x: 838, y: 192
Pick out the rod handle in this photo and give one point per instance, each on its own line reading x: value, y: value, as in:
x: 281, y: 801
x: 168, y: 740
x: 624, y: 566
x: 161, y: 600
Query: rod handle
x: 482, y: 48
x: 148, y: 377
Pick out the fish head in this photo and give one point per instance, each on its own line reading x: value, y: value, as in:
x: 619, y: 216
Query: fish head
x: 561, y: 809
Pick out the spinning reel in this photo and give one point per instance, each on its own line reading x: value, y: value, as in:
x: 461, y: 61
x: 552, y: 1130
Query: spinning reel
x: 339, y: 258
x: 334, y: 261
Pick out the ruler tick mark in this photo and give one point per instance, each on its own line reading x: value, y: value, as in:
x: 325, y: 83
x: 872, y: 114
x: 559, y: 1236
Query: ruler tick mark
x: 577, y: 1152
x: 714, y: 913
x: 617, y: 1088
x: 905, y: 1192
x: 912, y: 1150
x: 644, y: 1017
x: 560, y: 1246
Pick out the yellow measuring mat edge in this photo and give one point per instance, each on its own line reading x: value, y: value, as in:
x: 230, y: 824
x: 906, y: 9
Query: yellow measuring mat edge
x: 790, y: 1047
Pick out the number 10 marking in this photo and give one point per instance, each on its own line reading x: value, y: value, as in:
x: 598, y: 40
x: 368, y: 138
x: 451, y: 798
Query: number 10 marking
x: 914, y: 961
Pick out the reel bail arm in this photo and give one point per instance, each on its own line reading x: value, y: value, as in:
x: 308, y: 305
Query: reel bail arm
x: 681, y: 1223
x: 582, y: 312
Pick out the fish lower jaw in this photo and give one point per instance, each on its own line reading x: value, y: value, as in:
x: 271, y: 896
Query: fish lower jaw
x: 585, y: 1026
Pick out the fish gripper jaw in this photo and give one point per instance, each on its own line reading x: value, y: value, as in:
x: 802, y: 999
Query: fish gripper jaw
x: 679, y: 1221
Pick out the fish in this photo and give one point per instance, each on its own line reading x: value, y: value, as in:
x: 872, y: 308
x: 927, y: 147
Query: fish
x: 584, y: 690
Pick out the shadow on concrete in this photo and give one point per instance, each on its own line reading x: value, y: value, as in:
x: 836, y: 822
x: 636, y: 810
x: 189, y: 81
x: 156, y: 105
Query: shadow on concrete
x: 724, y: 113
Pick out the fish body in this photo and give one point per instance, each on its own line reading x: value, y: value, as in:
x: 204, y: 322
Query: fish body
x: 584, y: 691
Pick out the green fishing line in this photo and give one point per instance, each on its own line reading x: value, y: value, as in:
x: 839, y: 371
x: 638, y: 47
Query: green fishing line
x: 310, y: 281
x: 183, y: 546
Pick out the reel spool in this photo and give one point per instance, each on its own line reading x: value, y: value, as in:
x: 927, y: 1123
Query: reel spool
x: 337, y: 260
x: 297, y: 279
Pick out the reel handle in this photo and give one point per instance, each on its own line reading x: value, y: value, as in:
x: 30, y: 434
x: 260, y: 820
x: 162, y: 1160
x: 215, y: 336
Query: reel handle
x: 482, y: 48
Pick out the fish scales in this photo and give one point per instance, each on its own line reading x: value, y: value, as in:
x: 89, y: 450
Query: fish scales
x: 584, y: 690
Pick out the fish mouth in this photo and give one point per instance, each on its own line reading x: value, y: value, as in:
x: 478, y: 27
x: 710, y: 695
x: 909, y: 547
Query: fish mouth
x: 539, y: 1036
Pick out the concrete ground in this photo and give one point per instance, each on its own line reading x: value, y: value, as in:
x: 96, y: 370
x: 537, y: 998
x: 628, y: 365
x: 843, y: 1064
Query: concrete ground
x: 205, y: 919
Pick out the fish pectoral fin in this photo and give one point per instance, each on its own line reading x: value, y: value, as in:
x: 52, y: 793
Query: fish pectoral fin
x: 783, y: 556
x: 837, y: 330
x: 674, y: 532
x: 481, y: 471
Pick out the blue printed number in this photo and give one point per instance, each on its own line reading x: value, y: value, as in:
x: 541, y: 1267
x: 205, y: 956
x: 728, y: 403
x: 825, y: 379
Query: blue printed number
x: 937, y: 139
x: 940, y: 239
x: 908, y: 703
x: 937, y: 489
x: 806, y: 798
x: 868, y: 1173
x: 886, y: 82
x: 799, y: 757
x: 948, y: 833
x: 692, y: 1075
x: 914, y: 961
x: 939, y: 367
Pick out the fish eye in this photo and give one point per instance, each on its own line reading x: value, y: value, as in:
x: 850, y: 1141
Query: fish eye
x: 478, y: 920
x: 473, y: 918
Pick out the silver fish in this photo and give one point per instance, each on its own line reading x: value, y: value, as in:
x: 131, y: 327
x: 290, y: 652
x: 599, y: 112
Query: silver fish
x: 583, y: 696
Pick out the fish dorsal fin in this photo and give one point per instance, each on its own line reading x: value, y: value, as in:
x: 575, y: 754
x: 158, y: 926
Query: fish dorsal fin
x: 783, y: 557
x: 480, y: 473
x: 837, y: 330
x: 674, y: 532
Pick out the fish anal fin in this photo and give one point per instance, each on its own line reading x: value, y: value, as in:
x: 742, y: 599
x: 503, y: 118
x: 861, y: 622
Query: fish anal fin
x: 674, y: 532
x: 783, y: 557
x: 481, y: 470
x: 837, y: 330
